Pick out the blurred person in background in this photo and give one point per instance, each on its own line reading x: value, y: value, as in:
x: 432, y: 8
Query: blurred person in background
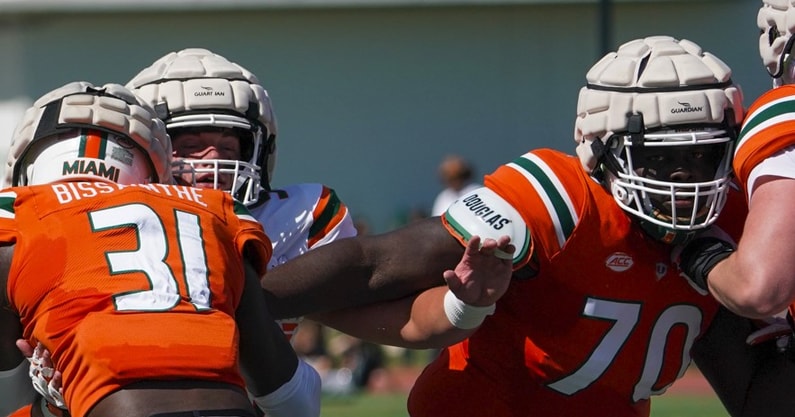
x: 597, y: 319
x: 457, y: 176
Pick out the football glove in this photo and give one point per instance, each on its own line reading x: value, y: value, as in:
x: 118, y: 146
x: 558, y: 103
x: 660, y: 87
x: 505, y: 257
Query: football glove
x: 46, y: 380
x: 697, y: 258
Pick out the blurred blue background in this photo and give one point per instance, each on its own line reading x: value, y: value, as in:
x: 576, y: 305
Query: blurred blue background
x: 370, y: 95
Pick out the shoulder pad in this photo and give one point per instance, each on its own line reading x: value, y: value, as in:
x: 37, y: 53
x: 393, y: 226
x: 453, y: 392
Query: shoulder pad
x: 484, y: 213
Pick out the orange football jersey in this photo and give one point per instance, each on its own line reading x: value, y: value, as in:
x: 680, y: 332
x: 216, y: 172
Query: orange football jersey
x: 22, y: 412
x: 768, y: 127
x: 128, y: 283
x: 605, y: 323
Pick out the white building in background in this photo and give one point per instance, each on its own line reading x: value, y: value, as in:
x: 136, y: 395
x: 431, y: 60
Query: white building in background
x: 11, y: 112
x: 371, y: 94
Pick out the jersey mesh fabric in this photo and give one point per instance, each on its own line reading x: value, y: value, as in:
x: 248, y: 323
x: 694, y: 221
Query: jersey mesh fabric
x: 605, y: 324
x: 129, y: 283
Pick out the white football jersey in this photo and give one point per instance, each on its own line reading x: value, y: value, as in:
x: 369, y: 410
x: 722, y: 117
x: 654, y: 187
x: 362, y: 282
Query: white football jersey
x: 298, y: 218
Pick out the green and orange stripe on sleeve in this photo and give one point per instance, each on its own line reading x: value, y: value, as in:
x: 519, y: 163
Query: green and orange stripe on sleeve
x: 328, y: 213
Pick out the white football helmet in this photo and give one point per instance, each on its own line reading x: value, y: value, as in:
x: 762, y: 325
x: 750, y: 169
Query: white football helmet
x: 776, y: 21
x: 196, y: 88
x: 659, y: 92
x: 83, y: 132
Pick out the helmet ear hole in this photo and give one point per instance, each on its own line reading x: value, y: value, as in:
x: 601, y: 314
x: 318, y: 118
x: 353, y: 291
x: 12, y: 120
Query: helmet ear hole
x: 620, y: 193
x: 772, y: 34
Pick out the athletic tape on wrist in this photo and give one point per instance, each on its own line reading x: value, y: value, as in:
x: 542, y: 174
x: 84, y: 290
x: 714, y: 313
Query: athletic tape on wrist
x: 463, y: 315
x: 299, y: 397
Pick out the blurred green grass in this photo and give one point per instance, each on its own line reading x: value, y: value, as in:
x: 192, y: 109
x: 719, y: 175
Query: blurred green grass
x: 688, y: 397
x: 394, y: 405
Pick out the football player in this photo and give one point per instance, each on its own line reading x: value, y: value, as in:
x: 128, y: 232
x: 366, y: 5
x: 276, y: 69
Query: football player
x: 146, y: 293
x: 758, y: 280
x: 597, y: 319
x: 223, y: 132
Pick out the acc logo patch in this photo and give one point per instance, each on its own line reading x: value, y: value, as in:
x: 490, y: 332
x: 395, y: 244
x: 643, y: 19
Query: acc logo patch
x: 619, y: 262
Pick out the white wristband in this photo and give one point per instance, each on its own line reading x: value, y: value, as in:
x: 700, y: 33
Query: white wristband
x: 298, y: 397
x: 463, y: 315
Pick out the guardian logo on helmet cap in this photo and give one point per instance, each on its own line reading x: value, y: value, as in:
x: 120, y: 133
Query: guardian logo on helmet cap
x: 686, y: 108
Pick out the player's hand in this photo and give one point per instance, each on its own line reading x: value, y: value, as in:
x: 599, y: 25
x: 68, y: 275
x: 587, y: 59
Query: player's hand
x: 484, y: 272
x: 46, y: 380
x: 697, y: 258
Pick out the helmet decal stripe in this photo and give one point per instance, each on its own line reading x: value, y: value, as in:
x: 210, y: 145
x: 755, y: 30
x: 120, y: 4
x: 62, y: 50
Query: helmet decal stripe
x: 559, y: 206
x: 92, y: 145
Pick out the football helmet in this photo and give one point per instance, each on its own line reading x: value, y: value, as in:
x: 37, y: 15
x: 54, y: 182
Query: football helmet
x: 195, y: 88
x: 776, y: 21
x: 83, y: 132
x: 659, y: 92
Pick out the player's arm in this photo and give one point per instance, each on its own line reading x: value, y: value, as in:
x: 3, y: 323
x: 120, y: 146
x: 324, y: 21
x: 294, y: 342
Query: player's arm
x: 362, y: 270
x: 16, y: 389
x: 281, y: 384
x: 439, y: 316
x: 758, y: 280
x: 749, y: 380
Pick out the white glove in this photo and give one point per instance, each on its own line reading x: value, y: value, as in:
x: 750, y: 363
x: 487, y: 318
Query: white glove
x: 46, y: 380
